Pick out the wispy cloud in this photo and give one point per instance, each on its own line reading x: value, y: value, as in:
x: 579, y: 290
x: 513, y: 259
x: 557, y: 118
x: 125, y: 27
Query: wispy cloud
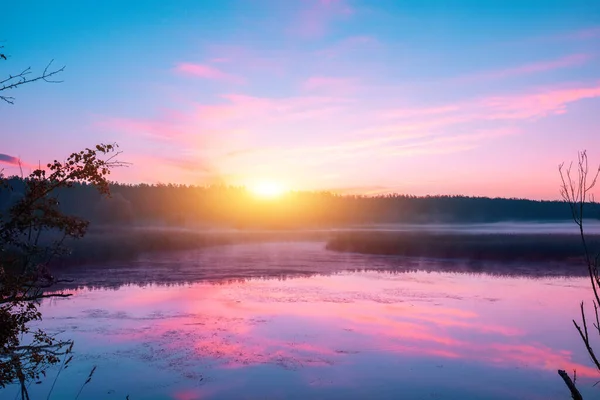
x: 420, y: 112
x: 242, y: 135
x: 314, y: 21
x: 9, y: 160
x: 265, y: 61
x: 572, y: 60
x: 195, y: 165
x: 522, y: 106
x: 252, y: 110
x: 208, y: 72
x: 535, y: 105
x: 444, y: 144
x: 435, y: 130
x: 176, y: 166
x: 349, y: 45
x: 330, y: 84
x: 163, y: 129
x: 428, y: 143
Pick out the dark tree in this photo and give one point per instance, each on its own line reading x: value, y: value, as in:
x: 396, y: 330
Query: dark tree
x: 32, y: 233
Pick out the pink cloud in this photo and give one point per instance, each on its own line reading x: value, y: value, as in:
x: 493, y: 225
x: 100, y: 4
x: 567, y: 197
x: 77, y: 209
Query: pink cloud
x: 390, y: 145
x: 418, y: 112
x: 302, y: 133
x: 445, y: 144
x: 429, y: 130
x: 163, y: 129
x: 187, y: 164
x: 252, y: 110
x: 564, y: 62
x: 172, y: 167
x: 239, y: 113
x: 208, y: 72
x: 510, y: 107
x: 220, y: 60
x: 572, y: 60
x: 536, y: 105
x: 349, y: 45
x: 314, y: 21
x: 273, y: 62
x: 330, y: 84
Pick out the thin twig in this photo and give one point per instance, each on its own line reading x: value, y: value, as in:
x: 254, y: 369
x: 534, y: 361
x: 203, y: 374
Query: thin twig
x: 66, y: 360
x: 86, y: 382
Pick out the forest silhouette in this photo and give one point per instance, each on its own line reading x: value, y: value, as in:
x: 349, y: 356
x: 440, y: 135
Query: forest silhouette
x: 237, y: 207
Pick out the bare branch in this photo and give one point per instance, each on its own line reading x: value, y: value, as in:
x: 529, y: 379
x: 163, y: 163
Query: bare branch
x: 575, y: 395
x: 22, y: 78
x: 585, y: 339
x: 577, y: 194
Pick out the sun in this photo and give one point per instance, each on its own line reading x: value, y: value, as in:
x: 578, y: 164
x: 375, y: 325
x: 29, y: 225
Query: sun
x: 268, y: 190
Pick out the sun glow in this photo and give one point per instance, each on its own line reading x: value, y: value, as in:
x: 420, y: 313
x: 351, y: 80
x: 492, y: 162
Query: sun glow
x: 268, y: 190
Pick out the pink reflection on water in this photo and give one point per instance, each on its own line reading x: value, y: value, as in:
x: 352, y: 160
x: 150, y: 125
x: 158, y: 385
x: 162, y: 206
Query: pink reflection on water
x: 327, y: 320
x: 192, y: 394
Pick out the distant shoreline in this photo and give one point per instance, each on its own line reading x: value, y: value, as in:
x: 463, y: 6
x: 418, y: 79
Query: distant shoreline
x: 471, y: 246
x: 552, y: 250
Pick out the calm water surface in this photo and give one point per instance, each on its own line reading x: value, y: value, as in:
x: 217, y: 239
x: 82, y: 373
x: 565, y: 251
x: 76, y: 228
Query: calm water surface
x: 343, y: 335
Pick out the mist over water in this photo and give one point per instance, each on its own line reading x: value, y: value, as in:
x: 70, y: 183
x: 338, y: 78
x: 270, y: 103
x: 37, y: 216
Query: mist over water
x: 293, y: 320
x: 517, y: 227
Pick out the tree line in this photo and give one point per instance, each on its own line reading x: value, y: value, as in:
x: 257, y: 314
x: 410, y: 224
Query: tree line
x: 182, y: 205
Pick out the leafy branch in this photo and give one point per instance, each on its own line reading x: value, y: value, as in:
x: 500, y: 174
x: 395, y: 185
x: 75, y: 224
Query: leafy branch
x: 24, y: 274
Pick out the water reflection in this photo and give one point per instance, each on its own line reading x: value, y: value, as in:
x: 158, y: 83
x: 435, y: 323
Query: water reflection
x: 345, y: 335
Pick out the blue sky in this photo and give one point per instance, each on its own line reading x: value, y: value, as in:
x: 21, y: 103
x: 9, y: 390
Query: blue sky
x: 422, y: 97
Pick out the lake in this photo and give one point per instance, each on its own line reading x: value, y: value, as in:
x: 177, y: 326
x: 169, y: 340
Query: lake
x: 295, y: 321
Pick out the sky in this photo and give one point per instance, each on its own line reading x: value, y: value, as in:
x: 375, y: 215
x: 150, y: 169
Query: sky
x: 469, y: 97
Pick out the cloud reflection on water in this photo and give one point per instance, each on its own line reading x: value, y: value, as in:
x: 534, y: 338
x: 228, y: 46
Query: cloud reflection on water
x: 327, y: 321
